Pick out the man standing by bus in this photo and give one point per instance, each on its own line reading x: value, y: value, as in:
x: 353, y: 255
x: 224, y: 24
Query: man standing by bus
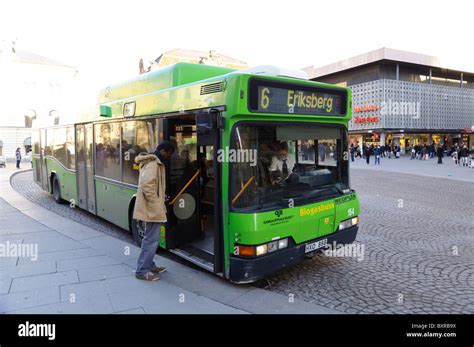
x: 150, y: 207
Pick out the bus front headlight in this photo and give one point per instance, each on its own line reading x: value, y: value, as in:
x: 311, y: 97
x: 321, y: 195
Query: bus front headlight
x: 348, y: 223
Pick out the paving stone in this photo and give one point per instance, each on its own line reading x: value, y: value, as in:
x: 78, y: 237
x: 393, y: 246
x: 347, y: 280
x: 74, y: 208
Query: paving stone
x: 42, y: 281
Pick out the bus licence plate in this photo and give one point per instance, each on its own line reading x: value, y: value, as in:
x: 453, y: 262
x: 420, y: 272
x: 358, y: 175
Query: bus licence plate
x: 310, y: 247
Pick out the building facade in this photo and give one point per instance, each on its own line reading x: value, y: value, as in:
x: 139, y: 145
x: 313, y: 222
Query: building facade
x: 32, y: 87
x: 192, y: 56
x: 402, y: 98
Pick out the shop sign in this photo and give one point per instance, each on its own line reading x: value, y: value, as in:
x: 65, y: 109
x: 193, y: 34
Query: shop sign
x: 366, y: 120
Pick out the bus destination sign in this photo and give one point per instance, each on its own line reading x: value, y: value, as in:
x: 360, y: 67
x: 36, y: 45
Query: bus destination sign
x: 272, y: 97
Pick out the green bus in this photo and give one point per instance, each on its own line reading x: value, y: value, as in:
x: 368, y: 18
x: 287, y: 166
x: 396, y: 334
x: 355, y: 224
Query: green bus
x: 259, y: 179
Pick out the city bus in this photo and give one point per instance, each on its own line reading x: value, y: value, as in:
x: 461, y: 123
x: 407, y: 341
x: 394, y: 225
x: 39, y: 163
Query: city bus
x: 259, y: 179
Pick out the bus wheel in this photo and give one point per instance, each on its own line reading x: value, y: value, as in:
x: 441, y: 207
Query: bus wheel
x: 310, y: 255
x: 138, y: 231
x: 57, y: 191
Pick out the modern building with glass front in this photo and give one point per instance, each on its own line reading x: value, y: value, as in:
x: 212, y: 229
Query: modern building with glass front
x: 403, y: 98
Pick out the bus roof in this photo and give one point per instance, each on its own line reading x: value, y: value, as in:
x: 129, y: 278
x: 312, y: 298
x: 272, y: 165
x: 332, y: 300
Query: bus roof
x: 168, y: 77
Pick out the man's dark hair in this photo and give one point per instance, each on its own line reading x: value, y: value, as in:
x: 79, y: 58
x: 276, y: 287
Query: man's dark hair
x: 166, y: 145
x: 283, y: 146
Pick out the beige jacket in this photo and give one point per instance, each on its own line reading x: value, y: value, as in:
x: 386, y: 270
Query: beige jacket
x: 150, y: 202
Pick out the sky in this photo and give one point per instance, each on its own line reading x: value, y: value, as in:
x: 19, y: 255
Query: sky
x: 105, y: 39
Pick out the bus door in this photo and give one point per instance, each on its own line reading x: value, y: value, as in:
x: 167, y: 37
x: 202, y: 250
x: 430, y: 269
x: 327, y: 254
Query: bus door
x: 190, y: 228
x: 42, y: 162
x: 84, y: 167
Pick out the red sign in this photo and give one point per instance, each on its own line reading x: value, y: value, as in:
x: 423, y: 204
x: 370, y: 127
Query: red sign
x: 365, y: 108
x: 365, y: 120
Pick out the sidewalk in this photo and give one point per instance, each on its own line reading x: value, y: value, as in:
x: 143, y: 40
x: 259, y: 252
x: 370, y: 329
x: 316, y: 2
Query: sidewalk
x: 81, y: 270
x: 428, y: 168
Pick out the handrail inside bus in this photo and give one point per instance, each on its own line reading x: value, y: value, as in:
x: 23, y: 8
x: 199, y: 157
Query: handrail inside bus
x: 234, y: 200
x: 184, y: 188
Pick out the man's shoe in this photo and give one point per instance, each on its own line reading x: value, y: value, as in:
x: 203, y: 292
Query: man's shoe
x: 158, y: 270
x: 149, y: 276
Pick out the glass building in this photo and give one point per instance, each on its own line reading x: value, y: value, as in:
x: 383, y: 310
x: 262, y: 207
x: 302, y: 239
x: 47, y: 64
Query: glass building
x: 403, y: 98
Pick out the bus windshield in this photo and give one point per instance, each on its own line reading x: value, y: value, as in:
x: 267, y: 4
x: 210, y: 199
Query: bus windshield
x: 276, y: 166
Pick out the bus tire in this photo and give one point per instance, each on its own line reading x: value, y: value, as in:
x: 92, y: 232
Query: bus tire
x: 310, y: 255
x: 57, y: 191
x: 138, y: 229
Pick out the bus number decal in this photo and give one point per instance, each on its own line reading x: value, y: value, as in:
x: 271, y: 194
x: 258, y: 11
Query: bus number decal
x: 265, y: 100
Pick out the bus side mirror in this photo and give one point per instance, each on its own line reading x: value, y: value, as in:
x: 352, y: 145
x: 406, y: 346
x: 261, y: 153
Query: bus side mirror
x: 206, y: 124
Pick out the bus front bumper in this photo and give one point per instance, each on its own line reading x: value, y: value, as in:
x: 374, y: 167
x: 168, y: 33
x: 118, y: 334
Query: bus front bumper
x: 247, y: 270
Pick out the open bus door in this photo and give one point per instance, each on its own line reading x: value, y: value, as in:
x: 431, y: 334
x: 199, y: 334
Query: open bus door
x: 193, y: 179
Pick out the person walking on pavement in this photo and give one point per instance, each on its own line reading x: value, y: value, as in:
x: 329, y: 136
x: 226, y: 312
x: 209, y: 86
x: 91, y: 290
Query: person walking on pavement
x: 150, y: 207
x: 432, y: 151
x: 459, y: 152
x: 439, y: 153
x: 413, y: 152
x: 464, y: 156
x: 455, y: 157
x: 378, y: 153
x: 368, y: 153
x: 424, y: 153
x: 18, y: 157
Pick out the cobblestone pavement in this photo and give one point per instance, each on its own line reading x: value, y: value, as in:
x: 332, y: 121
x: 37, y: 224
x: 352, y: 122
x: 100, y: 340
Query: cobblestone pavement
x: 412, y: 227
x: 24, y: 184
x: 418, y: 234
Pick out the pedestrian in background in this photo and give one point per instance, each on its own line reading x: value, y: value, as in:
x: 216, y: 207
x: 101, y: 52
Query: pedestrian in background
x: 464, y: 156
x: 378, y: 153
x: 358, y: 154
x: 368, y: 153
x: 459, y: 153
x: 455, y: 157
x: 424, y: 153
x: 432, y: 151
x: 18, y: 157
x: 439, y: 153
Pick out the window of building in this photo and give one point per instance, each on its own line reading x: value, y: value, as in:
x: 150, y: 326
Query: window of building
x: 29, y: 117
x: 27, y: 145
x: 55, y: 115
